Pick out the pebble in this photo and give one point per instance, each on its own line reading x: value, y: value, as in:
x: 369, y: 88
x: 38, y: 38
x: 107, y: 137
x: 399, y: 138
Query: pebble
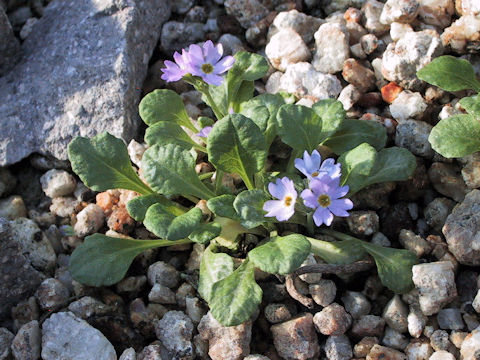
x: 435, y: 282
x: 231, y: 342
x: 24, y: 312
x: 413, y: 135
x: 135, y: 151
x: 379, y: 352
x: 372, y: 10
x: 363, y: 223
x: 332, y: 320
x: 450, y: 319
x: 457, y: 338
x: 302, y: 24
x: 332, y: 48
x: 196, y: 14
x: 231, y: 44
x: 27, y: 342
x: 368, y: 325
x: 144, y: 317
x: 151, y: 352
x: 471, y: 346
x: 286, y: 47
x: 296, y: 339
x: 64, y: 337
x: 439, y: 340
x: 471, y: 321
x: 256, y: 357
x: 476, y: 302
x: 175, y: 331
x: 461, y: 33
x: 467, y: 7
x: 185, y: 290
x: 414, y: 243
x: 408, y: 105
x: 442, y: 355
x: 163, y: 274
x: 6, y: 338
x: 447, y: 181
x: 338, y: 348
x: 247, y: 12
x: 89, y: 220
x: 471, y: 171
x: 357, y: 51
x: 402, y: 11
x: 363, y: 347
x: 349, y: 96
x: 120, y: 220
x: 276, y: 313
x: 398, y: 30
x: 312, y: 278
x: 13, y: 207
x: 356, y: 304
x: 369, y: 43
x: 195, y: 309
x: 182, y: 6
x: 57, y: 183
x: 381, y: 240
x: 52, y: 295
x: 131, y: 284
x: 418, y: 350
x: 462, y: 229
x: 437, y: 211
x: 403, y: 58
x: 355, y: 32
x: 128, y: 354
x: 358, y: 75
x: 436, y: 12
x: 394, y: 339
x: 395, y: 314
x: 64, y: 206
x: 323, y: 292
x: 162, y: 295
x: 87, y: 306
x: 303, y: 80
x: 416, y: 321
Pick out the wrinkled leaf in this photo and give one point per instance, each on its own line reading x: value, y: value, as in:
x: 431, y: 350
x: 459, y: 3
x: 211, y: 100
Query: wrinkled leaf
x: 471, y: 105
x: 137, y: 207
x: 456, y: 136
x: 332, y: 114
x: 235, y: 298
x: 244, y: 93
x: 392, y: 164
x: 337, y: 252
x: 450, y: 73
x: 164, y: 132
x: 356, y: 166
x: 281, y: 255
x: 213, y: 267
x: 102, y: 163
x: 170, y: 170
x: 223, y: 206
x: 249, y: 207
x: 205, y: 233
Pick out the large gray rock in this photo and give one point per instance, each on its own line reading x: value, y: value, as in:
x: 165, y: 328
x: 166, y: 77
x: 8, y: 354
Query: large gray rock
x: 17, y: 276
x: 9, y: 45
x: 81, y: 72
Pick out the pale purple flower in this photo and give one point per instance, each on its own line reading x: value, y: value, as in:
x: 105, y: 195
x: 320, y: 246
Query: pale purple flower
x: 284, y: 207
x: 324, y: 196
x: 205, y: 131
x: 174, y: 71
x: 311, y: 166
x: 207, y: 62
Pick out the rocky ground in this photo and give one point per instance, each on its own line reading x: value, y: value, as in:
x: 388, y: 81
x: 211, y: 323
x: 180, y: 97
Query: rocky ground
x: 59, y: 78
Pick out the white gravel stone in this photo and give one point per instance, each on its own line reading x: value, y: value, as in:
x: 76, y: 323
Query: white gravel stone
x: 135, y: 151
x: 436, y: 12
x: 418, y: 350
x: 436, y: 285
x: 58, y: 183
x: 273, y: 83
x: 398, y: 30
x: 66, y: 337
x: 89, y: 220
x: 467, y: 7
x: 349, y: 96
x: 403, y: 11
x: 302, y: 24
x: 394, y: 339
x: 286, y: 47
x: 128, y: 354
x: 408, y: 105
x: 175, y: 331
x: 413, y: 135
x: 395, y: 314
x: 462, y: 32
x: 332, y: 48
x: 442, y: 355
x: 471, y: 346
x: 13, y: 207
x: 416, y: 321
x: 338, y: 348
x: 476, y: 302
x: 372, y: 11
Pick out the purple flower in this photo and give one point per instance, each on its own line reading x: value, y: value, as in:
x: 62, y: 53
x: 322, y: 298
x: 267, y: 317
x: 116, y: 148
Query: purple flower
x: 324, y: 196
x: 311, y: 166
x: 174, y: 71
x: 204, y: 132
x: 206, y: 62
x: 284, y: 208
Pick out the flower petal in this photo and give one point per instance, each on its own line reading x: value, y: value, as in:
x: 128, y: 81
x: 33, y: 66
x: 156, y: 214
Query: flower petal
x: 212, y: 79
x: 277, y: 189
x: 309, y: 199
x: 322, y: 216
x: 340, y: 207
x: 223, y: 65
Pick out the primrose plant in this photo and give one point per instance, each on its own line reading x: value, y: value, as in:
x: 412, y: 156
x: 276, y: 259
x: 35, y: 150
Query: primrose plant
x: 246, y: 130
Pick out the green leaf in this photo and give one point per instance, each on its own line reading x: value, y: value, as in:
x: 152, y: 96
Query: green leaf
x: 164, y: 105
x: 235, y: 298
x: 456, y: 136
x: 472, y: 105
x: 102, y: 163
x: 281, y: 255
x: 332, y: 114
x: 249, y: 207
x: 392, y: 164
x: 236, y: 145
x: 170, y: 170
x: 205, y: 233
x: 164, y: 132
x: 213, y: 267
x: 231, y: 229
x: 204, y: 121
x: 244, y: 93
x: 394, y: 266
x: 103, y: 261
x: 165, y: 224
x: 352, y: 133
x: 450, y: 73
x: 300, y: 127
x: 337, y: 252
x: 356, y: 166
x: 137, y: 207
x: 223, y: 206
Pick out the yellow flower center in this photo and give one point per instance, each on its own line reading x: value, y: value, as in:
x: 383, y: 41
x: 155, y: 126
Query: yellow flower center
x: 288, y: 200
x: 315, y: 174
x: 324, y: 200
x: 207, y: 68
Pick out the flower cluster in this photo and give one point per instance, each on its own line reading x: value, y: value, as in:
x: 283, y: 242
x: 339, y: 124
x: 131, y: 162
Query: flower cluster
x: 323, y: 195
x: 205, y: 62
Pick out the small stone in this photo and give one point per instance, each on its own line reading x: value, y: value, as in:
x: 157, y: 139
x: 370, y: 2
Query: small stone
x: 164, y: 274
x: 355, y: 31
x: 25, y: 312
x: 87, y: 306
x: 349, y: 96
x: 436, y: 283
x: 27, y: 342
x: 57, y: 183
x: 231, y: 342
x: 178, y: 35
x: 363, y: 223
x: 120, y: 220
x: 437, y: 211
x: 296, y: 339
x: 12, y: 208
x: 442, y: 355
x: 89, y: 220
x: 64, y: 206
x: 276, y: 313
x: 447, y: 181
x: 338, y: 348
x: 418, y: 350
x: 175, y: 331
x: 357, y: 51
x: 256, y: 357
x: 162, y: 295
x: 369, y: 43
x: 471, y: 346
x: 286, y: 47
x: 128, y: 354
x: 372, y: 11
x: 398, y: 30
x: 463, y: 32
x: 358, y: 75
x: 390, y: 92
x: 381, y: 240
x: 52, y: 295
x: 379, y: 352
x: 471, y: 321
x: 323, y: 292
x: 27, y: 28
x: 450, y: 319
x: 185, y: 290
x: 196, y: 14
x: 402, y: 11
x: 135, y: 151
x: 416, y: 321
x: 368, y: 325
x: 467, y: 7
x: 440, y: 340
x: 363, y: 347
x: 64, y: 337
x: 332, y: 48
x: 332, y: 320
x: 395, y: 314
x: 6, y: 338
x: 394, y: 339
x: 247, y: 12
x: 356, y: 304
x: 302, y: 24
x: 457, y: 338
x: 151, y: 352
x: 195, y: 309
x: 476, y: 302
x: 414, y: 243
x: 182, y: 6
x: 436, y: 12
x: 131, y: 284
x: 231, y: 44
x: 471, y: 171
x: 408, y: 105
x: 144, y: 317
x: 413, y: 135
x: 312, y: 278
